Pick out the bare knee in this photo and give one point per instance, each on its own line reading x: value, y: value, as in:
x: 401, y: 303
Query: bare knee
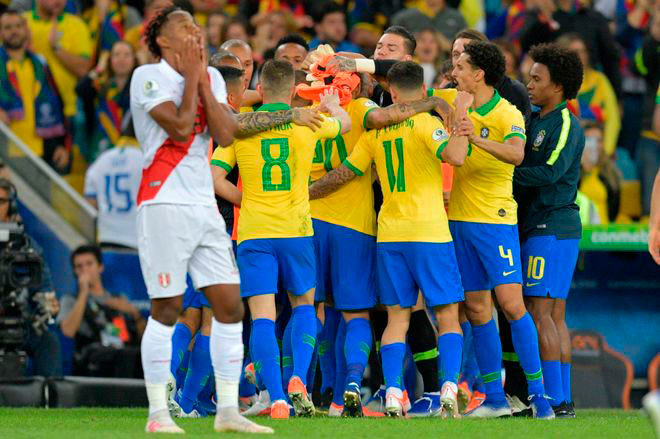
x: 166, y: 311
x: 230, y: 314
x: 478, y: 308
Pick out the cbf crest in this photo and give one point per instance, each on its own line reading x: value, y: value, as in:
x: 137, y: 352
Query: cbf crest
x: 484, y: 133
x: 539, y: 139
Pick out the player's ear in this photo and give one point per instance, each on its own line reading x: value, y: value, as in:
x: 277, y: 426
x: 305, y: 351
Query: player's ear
x: 260, y: 90
x: 395, y: 94
x: 407, y: 58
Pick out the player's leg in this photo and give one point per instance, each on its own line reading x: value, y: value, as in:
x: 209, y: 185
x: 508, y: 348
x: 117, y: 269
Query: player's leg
x: 200, y: 369
x: 422, y: 339
x: 327, y: 352
x: 337, y: 406
x: 184, y: 329
x: 357, y: 347
x: 470, y: 386
x: 559, y: 317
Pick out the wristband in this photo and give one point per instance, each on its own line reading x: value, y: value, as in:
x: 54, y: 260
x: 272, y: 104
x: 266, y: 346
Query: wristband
x: 363, y: 65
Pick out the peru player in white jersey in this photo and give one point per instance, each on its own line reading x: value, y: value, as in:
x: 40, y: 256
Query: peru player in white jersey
x: 177, y: 106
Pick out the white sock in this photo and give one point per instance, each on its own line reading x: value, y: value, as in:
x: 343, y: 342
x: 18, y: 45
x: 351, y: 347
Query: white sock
x: 156, y: 349
x: 227, y: 359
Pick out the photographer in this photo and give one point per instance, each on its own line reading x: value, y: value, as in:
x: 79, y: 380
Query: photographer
x: 41, y: 345
x: 106, y: 327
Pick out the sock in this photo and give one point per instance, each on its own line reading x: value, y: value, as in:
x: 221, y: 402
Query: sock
x: 379, y: 322
x: 180, y: 341
x: 226, y: 347
x: 469, y: 366
x: 198, y: 374
x: 450, y: 347
x: 392, y: 355
x: 423, y: 344
x: 311, y: 372
x: 340, y: 364
x: 516, y: 382
x: 246, y: 388
x: 566, y: 381
x: 303, y: 339
x: 488, y: 351
x: 266, y: 357
x: 526, y: 343
x: 156, y: 352
x: 287, y: 355
x: 327, y: 348
x: 552, y: 382
x: 182, y: 370
x: 357, y: 348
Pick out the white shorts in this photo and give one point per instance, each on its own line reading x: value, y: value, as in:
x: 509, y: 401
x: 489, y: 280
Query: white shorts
x: 175, y: 239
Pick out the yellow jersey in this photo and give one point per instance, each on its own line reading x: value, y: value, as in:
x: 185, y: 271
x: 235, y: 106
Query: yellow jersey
x: 29, y: 89
x: 275, y: 167
x: 482, y: 189
x: 352, y: 205
x: 407, y: 157
x: 74, y: 39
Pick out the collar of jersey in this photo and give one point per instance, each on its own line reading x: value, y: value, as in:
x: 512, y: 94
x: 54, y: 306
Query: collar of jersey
x: 558, y: 108
x: 275, y: 106
x: 169, y: 70
x: 488, y: 106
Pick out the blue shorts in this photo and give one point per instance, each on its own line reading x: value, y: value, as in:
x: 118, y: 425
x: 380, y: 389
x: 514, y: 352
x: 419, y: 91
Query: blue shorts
x: 404, y: 268
x: 548, y: 266
x: 270, y: 265
x: 193, y: 298
x: 345, y: 266
x: 488, y: 254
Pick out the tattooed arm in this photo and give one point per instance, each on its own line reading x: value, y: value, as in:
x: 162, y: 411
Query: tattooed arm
x: 395, y: 113
x: 255, y: 122
x: 330, y: 182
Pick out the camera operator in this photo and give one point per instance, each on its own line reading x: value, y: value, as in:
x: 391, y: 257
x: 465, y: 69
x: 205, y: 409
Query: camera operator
x: 41, y: 345
x: 106, y: 327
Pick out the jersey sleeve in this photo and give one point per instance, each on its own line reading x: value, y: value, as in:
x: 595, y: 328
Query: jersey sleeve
x: 218, y: 86
x: 362, y: 155
x: 224, y: 158
x: 361, y: 110
x: 433, y: 135
x: 149, y: 89
x: 330, y: 128
x: 512, y: 124
x: 446, y: 94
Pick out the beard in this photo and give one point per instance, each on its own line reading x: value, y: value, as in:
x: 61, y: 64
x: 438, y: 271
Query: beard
x: 14, y: 43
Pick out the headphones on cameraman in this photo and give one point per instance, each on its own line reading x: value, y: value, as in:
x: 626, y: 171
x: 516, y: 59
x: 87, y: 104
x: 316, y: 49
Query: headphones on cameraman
x: 13, y: 196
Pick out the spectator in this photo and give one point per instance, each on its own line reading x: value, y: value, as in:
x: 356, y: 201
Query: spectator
x: 258, y: 11
x: 29, y: 103
x: 106, y: 100
x: 105, y: 20
x: 443, y: 78
x: 428, y: 53
x: 549, y: 21
x: 135, y: 35
x: 601, y: 180
x: 111, y: 186
x: 292, y: 48
x: 235, y: 29
x: 244, y: 52
x: 64, y: 40
x: 431, y: 13
x: 276, y: 26
x: 510, y: 58
x: 331, y: 29
x: 596, y: 99
x: 214, y: 24
x: 106, y: 327
x: 42, y: 345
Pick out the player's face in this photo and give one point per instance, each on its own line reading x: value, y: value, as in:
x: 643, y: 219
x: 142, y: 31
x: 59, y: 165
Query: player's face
x: 540, y: 88
x: 13, y: 31
x: 393, y: 47
x: 86, y: 264
x: 179, y: 26
x: 465, y: 74
x: 235, y: 92
x: 292, y: 52
x: 122, y: 59
x: 4, y: 206
x: 458, y: 48
x: 247, y: 64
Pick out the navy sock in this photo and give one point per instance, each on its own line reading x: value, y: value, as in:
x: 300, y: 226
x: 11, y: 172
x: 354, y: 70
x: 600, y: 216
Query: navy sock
x: 392, y: 355
x: 552, y: 382
x: 450, y: 348
x: 340, y: 364
x: 526, y: 343
x: 327, y: 348
x: 488, y: 350
x: 266, y: 357
x: 357, y: 348
x: 199, y: 372
x: 566, y: 381
x: 180, y: 342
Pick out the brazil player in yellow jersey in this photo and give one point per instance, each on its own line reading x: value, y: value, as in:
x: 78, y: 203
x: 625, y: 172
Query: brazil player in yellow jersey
x: 275, y: 246
x: 482, y: 214
x: 414, y: 249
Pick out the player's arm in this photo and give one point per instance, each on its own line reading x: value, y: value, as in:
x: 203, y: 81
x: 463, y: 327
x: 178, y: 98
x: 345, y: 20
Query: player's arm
x: 395, y: 113
x: 512, y: 151
x: 250, y: 98
x: 654, y: 222
x: 219, y: 117
x: 258, y: 121
x: 457, y: 146
x: 224, y: 188
x: 561, y: 155
x: 330, y: 104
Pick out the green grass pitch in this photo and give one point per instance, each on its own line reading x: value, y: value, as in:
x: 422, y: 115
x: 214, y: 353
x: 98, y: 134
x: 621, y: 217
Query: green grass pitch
x: 129, y: 423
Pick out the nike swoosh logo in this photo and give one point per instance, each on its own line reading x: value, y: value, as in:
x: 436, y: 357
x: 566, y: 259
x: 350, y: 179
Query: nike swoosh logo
x: 506, y: 273
x: 531, y: 285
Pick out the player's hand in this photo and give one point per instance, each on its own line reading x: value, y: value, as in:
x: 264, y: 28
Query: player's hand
x: 203, y: 74
x: 308, y: 117
x: 84, y: 283
x: 61, y: 157
x: 189, y: 59
x: 654, y: 244
x: 315, y: 55
x: 463, y: 127
x: 341, y: 64
x: 329, y: 99
x: 462, y: 102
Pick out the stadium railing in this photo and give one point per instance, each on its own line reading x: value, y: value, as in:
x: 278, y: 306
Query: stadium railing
x: 52, y: 188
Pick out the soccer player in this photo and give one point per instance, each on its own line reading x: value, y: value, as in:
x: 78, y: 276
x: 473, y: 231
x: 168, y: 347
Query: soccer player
x: 414, y: 249
x: 545, y: 187
x: 275, y: 233
x: 176, y: 108
x: 482, y: 215
x: 292, y: 48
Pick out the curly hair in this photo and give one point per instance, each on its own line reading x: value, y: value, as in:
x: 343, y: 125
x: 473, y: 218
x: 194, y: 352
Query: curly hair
x: 563, y: 64
x: 154, y: 27
x: 488, y: 57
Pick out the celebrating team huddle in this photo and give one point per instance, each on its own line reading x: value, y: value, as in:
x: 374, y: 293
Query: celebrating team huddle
x: 317, y: 270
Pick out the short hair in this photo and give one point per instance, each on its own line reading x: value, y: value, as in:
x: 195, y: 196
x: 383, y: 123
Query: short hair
x: 406, y: 75
x: 234, y: 43
x: 186, y: 5
x: 563, y: 64
x: 470, y: 34
x: 408, y: 38
x: 293, y: 39
x: 487, y: 57
x: 277, y: 76
x: 300, y: 77
x: 220, y: 55
x: 231, y: 75
x: 326, y: 9
x: 87, y: 249
x: 154, y: 28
